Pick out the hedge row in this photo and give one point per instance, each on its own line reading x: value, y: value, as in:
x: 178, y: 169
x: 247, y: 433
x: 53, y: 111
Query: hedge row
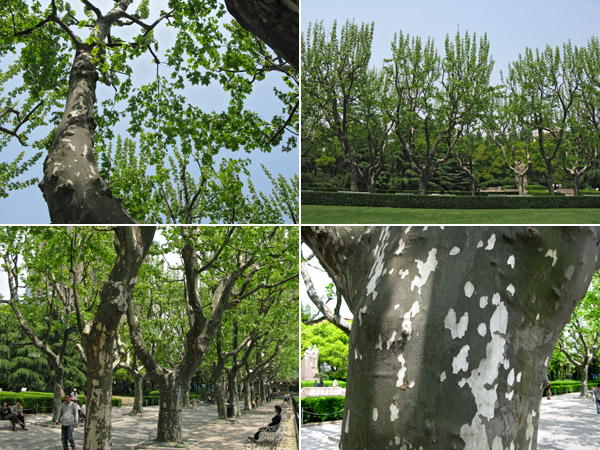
x: 329, y: 408
x: 328, y: 383
x: 41, y: 402
x: 445, y: 202
x: 154, y: 398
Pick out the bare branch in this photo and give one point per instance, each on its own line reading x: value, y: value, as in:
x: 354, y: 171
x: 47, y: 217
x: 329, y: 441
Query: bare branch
x: 15, y: 131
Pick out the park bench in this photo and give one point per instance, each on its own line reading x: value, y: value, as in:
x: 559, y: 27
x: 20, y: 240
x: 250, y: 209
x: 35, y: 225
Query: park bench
x: 270, y: 438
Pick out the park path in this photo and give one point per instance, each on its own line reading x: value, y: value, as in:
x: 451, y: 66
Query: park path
x: 202, y: 430
x: 567, y: 422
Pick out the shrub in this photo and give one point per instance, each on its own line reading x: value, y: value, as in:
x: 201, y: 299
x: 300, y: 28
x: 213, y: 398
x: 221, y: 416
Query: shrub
x: 327, y: 408
x: 447, y: 202
x: 41, y: 402
x: 328, y: 383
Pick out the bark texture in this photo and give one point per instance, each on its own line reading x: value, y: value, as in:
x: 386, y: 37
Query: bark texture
x: 131, y: 245
x: 72, y: 186
x: 273, y: 21
x: 453, y: 328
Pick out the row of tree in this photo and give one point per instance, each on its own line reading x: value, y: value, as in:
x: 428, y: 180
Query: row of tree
x: 421, y: 109
x: 92, y: 301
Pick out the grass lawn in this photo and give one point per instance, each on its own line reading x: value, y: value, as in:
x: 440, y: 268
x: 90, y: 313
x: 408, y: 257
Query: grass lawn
x: 316, y: 214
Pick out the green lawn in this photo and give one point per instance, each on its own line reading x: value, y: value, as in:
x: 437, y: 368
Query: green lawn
x: 315, y: 214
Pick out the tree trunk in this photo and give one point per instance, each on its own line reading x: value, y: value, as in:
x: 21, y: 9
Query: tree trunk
x: 520, y: 183
x: 583, y: 376
x: 550, y: 175
x: 576, y: 184
x: 220, y: 396
x: 234, y: 398
x: 424, y: 177
x: 353, y: 178
x: 57, y: 401
x: 138, y: 380
x: 461, y: 319
x: 247, y: 396
x: 172, y: 389
x: 276, y: 23
x: 72, y: 186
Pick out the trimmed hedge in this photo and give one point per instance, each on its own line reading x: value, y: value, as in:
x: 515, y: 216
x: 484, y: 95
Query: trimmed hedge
x: 446, y: 202
x: 154, y: 398
x: 42, y: 401
x: 329, y: 408
x: 568, y: 386
x: 328, y: 383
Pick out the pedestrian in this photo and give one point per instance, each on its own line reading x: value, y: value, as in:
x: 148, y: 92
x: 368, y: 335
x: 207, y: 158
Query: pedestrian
x: 7, y: 414
x: 273, y: 425
x: 68, y: 414
x: 74, y: 395
x: 597, y: 397
x: 17, y: 410
x: 547, y: 391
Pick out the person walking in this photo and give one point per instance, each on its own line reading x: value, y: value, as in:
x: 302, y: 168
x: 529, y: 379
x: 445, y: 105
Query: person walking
x: 68, y: 414
x: 596, y: 393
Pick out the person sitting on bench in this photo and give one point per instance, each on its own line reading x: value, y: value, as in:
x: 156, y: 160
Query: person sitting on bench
x: 17, y: 410
x: 7, y: 414
x: 271, y: 427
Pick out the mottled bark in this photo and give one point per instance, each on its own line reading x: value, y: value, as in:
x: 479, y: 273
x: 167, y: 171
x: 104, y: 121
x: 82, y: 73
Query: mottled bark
x: 232, y: 391
x: 72, y: 186
x: 220, y: 396
x: 453, y: 328
x: 131, y: 245
x: 247, y: 395
x: 138, y: 388
x: 57, y: 400
x: 172, y: 389
x: 273, y: 21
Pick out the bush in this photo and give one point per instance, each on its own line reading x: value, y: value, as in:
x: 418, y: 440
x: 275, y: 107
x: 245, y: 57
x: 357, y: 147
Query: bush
x: 568, y: 386
x: 327, y: 408
x: 328, y: 383
x: 447, y: 202
x: 41, y: 402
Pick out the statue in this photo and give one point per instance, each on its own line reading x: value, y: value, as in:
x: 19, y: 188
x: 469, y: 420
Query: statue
x: 310, y: 363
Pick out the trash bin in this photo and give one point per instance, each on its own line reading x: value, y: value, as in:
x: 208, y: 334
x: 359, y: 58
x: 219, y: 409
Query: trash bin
x: 229, y: 410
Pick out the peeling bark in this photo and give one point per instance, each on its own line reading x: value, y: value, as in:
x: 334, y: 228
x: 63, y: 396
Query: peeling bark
x: 274, y: 22
x: 457, y: 319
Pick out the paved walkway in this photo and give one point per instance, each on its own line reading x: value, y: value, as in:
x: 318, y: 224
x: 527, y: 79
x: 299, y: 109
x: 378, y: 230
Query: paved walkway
x: 202, y: 430
x: 567, y: 422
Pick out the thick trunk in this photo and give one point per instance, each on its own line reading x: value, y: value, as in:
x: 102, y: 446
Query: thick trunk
x: 521, y: 183
x: 550, y: 175
x: 57, y: 401
x: 459, y: 319
x: 247, y: 396
x: 172, y: 389
x: 583, y: 376
x: 353, y: 178
x: 424, y: 178
x: 234, y: 398
x: 576, y: 184
x: 220, y: 396
x: 72, y: 186
x: 276, y: 23
x: 138, y: 380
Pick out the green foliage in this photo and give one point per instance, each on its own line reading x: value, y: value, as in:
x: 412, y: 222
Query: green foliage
x: 332, y: 344
x: 328, y: 408
x: 327, y: 383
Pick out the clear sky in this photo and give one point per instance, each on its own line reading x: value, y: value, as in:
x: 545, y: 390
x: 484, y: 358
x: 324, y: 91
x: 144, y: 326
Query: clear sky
x: 27, y: 206
x: 510, y: 25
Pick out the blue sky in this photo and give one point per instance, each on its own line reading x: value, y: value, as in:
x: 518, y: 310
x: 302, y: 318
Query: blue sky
x: 27, y: 206
x: 510, y: 25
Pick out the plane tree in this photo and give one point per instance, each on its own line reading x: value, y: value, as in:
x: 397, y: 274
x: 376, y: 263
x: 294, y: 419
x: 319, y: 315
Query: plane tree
x: 462, y: 317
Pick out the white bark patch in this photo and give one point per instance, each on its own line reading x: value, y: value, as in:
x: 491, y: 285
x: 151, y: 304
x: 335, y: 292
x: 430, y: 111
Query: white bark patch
x: 347, y: 422
x: 403, y: 273
x: 460, y: 363
x: 396, y: 307
x: 401, y: 247
x: 483, y: 301
x: 511, y: 261
x: 496, y: 299
x: 510, y: 380
x: 480, y: 244
x: 401, y: 372
x: 482, y: 329
x: 379, y: 344
x: 537, y: 317
x: 391, y: 271
x: 374, y: 415
x: 519, y: 375
x: 497, y: 444
x: 454, y: 251
x: 510, y: 289
x: 407, y: 322
x: 491, y: 242
x: 442, y: 377
x: 407, y: 230
x: 509, y: 395
x: 569, y: 272
x: 425, y: 269
x: 355, y: 354
x: 391, y: 340
x: 393, y: 412
x: 469, y: 289
x: 529, y: 431
x: 378, y: 266
x: 457, y: 328
x: 361, y: 311
x: 552, y: 254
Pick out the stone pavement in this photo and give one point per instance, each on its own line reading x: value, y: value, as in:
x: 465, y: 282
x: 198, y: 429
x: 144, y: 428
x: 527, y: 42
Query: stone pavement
x: 567, y: 422
x: 201, y: 430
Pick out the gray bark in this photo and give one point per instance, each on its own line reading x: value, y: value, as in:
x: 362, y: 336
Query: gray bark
x: 459, y: 319
x: 274, y: 22
x: 220, y: 396
x: 172, y: 390
x: 138, y: 400
x: 247, y: 395
x: 131, y: 245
